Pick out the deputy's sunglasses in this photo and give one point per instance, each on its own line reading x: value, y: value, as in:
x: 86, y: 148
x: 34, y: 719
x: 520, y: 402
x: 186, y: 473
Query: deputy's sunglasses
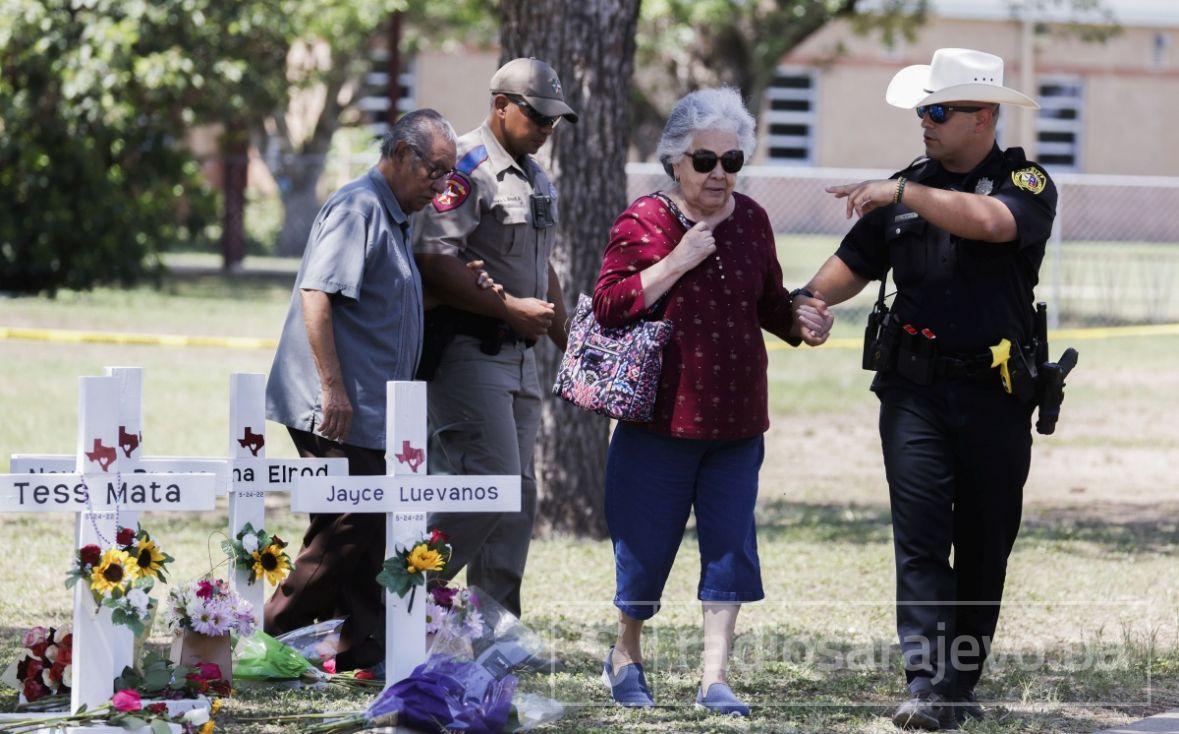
x: 939, y: 113
x: 704, y: 161
x: 435, y: 172
x: 530, y: 112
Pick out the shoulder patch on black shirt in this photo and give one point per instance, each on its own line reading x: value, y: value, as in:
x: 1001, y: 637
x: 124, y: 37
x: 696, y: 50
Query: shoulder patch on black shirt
x: 1030, y: 179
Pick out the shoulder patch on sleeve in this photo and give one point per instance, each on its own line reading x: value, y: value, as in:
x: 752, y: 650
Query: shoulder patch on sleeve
x: 474, y: 157
x: 458, y: 188
x: 1030, y: 179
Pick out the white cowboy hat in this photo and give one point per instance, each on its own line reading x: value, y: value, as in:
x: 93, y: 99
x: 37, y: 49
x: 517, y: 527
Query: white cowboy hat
x: 955, y: 75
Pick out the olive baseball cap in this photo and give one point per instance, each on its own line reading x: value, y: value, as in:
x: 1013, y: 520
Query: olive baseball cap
x: 537, y: 83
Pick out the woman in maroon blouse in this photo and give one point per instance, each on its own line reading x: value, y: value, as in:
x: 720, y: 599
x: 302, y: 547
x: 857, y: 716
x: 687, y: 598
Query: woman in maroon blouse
x: 703, y: 257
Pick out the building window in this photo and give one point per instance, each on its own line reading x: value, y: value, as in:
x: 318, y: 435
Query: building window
x: 375, y: 100
x: 789, y: 113
x: 1058, y: 125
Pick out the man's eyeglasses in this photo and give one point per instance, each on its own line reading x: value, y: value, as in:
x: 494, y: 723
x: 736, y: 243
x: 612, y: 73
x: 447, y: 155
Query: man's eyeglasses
x: 939, y: 113
x: 435, y: 172
x: 704, y: 161
x: 530, y: 112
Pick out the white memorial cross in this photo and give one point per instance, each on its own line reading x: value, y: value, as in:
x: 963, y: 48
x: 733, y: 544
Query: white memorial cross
x: 130, y: 445
x: 404, y: 496
x: 247, y: 471
x: 253, y: 475
x: 98, y: 493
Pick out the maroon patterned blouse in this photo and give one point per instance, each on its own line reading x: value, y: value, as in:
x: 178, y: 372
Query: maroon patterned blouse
x: 713, y: 384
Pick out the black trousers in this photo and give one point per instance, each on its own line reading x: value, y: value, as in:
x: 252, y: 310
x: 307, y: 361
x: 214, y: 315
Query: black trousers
x: 336, y: 570
x: 956, y: 455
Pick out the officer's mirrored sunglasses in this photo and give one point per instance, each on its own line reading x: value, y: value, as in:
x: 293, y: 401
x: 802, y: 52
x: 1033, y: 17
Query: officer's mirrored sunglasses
x: 939, y: 113
x: 530, y: 112
x: 434, y: 171
x: 704, y: 161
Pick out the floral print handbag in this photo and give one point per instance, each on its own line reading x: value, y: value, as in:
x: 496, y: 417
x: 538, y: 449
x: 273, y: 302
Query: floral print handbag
x: 612, y: 372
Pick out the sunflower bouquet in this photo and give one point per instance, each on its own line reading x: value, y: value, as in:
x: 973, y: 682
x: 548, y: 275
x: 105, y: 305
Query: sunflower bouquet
x: 260, y: 554
x: 404, y: 571
x: 121, y: 577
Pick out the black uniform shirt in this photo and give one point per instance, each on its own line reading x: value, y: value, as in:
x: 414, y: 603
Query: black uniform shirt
x: 970, y: 294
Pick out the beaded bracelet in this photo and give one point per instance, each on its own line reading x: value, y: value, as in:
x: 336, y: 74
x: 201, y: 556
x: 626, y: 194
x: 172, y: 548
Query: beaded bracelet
x: 896, y: 198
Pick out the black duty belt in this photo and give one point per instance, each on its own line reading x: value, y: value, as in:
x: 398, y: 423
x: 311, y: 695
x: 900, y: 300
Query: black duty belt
x: 491, y: 332
x: 964, y: 366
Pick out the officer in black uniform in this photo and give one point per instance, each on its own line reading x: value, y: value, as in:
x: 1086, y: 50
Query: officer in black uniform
x: 963, y: 232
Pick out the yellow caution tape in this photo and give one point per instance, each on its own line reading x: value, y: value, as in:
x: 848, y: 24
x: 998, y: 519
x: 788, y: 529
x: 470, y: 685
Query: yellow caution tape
x: 1000, y: 356
x: 70, y: 336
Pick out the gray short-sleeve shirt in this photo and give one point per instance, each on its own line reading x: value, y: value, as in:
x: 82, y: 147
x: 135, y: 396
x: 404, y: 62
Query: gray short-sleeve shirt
x: 359, y: 254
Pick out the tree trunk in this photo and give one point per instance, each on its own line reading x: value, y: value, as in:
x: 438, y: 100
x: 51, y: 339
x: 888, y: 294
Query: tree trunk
x: 298, y: 181
x: 591, y: 44
x: 235, y: 147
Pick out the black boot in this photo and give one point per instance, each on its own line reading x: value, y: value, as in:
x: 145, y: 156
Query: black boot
x: 926, y: 710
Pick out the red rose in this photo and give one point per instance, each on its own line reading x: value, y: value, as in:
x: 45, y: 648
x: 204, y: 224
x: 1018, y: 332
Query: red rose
x: 34, y: 689
x: 364, y: 675
x: 125, y: 536
x: 65, y: 651
x: 29, y: 669
x: 159, y: 709
x: 437, y: 536
x: 208, y: 671
x: 90, y: 555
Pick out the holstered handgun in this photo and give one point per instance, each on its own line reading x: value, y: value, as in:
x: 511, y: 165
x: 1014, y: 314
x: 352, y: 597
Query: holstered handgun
x: 880, y: 336
x: 1050, y: 380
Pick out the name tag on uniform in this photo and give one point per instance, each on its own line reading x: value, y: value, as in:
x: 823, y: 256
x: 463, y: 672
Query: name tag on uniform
x: 904, y: 217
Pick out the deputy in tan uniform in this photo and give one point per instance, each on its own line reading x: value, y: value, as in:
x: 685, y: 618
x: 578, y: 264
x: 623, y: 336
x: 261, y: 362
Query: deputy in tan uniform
x: 484, y: 397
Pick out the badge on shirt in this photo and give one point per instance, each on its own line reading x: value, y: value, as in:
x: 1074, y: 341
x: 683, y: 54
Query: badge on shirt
x: 458, y: 188
x: 984, y: 186
x: 1029, y: 179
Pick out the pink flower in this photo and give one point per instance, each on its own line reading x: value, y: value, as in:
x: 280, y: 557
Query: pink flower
x: 205, y: 589
x: 365, y: 675
x: 208, y: 671
x: 35, y: 636
x: 329, y: 666
x: 126, y: 700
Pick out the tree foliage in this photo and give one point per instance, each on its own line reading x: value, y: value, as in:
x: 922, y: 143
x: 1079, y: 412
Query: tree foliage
x: 95, y: 100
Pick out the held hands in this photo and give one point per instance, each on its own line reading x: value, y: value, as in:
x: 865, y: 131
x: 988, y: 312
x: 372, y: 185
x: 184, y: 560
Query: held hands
x: 812, y: 320
x: 530, y: 317
x: 693, y: 248
x: 337, y: 413
x: 865, y: 196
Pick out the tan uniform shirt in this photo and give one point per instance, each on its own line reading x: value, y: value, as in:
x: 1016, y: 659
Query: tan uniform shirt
x: 488, y: 213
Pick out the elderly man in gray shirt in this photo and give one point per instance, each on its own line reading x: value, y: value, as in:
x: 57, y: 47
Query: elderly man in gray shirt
x: 354, y: 323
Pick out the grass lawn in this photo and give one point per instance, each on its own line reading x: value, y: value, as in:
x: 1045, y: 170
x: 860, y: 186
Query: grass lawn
x: 1089, y: 635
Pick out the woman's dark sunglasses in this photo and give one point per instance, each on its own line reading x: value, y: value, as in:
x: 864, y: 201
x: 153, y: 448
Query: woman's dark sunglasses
x: 704, y: 161
x: 939, y: 113
x: 530, y: 112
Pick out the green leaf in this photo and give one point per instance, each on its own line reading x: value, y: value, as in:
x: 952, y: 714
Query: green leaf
x: 160, y: 727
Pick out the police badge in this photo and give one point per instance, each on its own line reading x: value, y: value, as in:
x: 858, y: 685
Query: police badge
x: 984, y: 186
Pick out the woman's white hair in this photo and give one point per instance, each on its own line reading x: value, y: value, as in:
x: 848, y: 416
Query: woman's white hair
x: 706, y: 109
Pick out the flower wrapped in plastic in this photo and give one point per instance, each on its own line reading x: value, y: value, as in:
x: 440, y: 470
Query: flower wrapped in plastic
x: 471, y: 682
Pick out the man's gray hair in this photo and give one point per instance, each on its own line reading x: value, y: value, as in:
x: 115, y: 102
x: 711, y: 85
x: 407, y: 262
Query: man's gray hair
x: 417, y: 130
x: 706, y: 109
